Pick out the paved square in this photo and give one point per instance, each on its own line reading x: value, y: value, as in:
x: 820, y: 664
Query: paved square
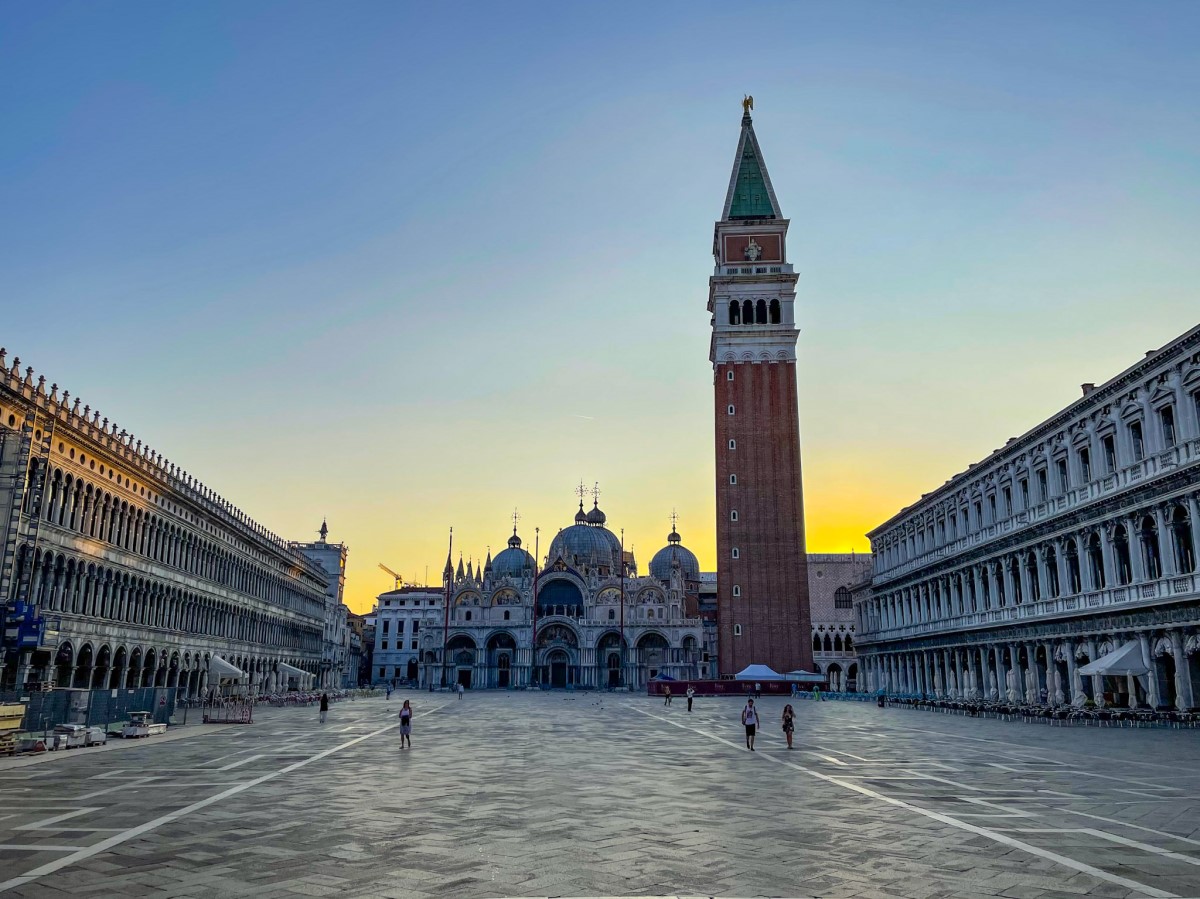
x: 556, y: 794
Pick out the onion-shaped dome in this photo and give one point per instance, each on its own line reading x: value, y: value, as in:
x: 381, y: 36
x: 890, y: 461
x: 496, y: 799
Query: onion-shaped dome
x: 580, y: 516
x: 512, y: 562
x: 674, y: 551
x: 596, y: 516
x: 584, y: 544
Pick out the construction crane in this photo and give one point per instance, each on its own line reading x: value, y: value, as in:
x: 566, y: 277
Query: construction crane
x: 398, y: 578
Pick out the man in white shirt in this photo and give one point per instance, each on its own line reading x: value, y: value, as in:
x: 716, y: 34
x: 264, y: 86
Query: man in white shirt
x: 750, y: 720
x: 691, y: 691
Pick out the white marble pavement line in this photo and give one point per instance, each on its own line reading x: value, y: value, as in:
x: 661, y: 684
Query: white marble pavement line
x: 998, y: 837
x: 87, y: 852
x: 1161, y: 833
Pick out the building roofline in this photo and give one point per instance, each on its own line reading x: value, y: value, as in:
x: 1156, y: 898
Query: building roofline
x: 1105, y: 392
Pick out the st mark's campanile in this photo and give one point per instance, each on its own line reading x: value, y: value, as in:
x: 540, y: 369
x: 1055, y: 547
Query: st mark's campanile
x: 762, y: 577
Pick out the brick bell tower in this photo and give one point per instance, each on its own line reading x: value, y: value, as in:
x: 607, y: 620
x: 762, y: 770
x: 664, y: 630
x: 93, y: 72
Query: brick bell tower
x: 762, y: 572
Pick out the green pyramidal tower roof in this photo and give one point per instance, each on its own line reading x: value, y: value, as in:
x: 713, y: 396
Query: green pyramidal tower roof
x: 750, y: 195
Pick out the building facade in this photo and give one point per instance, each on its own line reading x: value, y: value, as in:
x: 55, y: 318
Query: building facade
x: 832, y: 578
x: 762, y: 581
x: 583, y: 619
x: 402, y: 618
x: 1075, y: 543
x: 122, y: 570
x: 335, y: 669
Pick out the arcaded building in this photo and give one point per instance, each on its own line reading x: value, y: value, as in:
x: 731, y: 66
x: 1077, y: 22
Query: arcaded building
x: 122, y: 570
x: 832, y: 578
x: 1074, y: 543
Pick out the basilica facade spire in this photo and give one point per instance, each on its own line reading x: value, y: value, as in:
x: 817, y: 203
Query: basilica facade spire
x: 762, y: 576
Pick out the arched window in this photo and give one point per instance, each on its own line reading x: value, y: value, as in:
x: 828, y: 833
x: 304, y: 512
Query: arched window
x: 760, y: 312
x: 841, y: 598
x: 849, y: 643
x: 1096, y: 561
x: 1150, y: 549
x: 733, y: 515
x: 748, y: 312
x: 1181, y: 538
x: 1120, y: 538
x: 732, y: 444
x: 1074, y: 580
x: 774, y: 312
x: 735, y: 313
x: 736, y: 554
x: 816, y: 643
x: 828, y: 644
x: 837, y: 643
x: 737, y: 630
x: 729, y: 375
x: 731, y: 410
x: 733, y: 479
x: 737, y: 590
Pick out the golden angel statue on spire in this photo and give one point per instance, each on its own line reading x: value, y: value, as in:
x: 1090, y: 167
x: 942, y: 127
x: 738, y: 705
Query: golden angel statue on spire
x: 747, y: 103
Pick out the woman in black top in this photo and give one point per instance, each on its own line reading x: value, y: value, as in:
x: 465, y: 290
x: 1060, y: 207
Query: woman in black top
x: 789, y: 723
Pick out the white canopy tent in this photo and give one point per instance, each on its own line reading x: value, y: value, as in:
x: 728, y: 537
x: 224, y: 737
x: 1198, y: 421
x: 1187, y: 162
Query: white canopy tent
x: 805, y: 677
x: 224, y: 678
x: 758, y: 672
x: 1126, y: 659
x: 289, y: 671
x: 219, y: 669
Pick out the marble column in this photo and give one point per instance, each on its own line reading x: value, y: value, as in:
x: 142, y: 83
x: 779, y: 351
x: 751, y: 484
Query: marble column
x: 1032, y: 684
x: 1109, y: 555
x: 1072, y: 697
x: 1136, y: 558
x: 1153, y: 693
x: 1183, y: 680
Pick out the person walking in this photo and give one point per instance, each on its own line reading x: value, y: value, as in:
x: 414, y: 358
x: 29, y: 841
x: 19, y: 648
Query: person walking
x: 324, y: 707
x: 406, y: 716
x: 691, y: 692
x: 666, y: 694
x: 817, y: 694
x: 789, y: 723
x: 750, y: 720
x: 461, y: 690
x: 757, y: 690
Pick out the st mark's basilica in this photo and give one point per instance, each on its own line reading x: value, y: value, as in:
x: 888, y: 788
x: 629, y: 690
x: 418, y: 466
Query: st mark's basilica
x: 584, y: 617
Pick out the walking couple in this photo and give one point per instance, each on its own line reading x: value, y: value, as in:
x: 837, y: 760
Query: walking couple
x: 750, y: 722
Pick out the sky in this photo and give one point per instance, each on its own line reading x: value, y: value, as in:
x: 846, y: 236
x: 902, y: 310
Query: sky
x: 411, y: 266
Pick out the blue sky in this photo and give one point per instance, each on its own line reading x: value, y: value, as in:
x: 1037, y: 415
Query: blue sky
x: 412, y: 265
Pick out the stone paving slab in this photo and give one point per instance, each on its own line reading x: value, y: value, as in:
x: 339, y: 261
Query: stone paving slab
x: 555, y: 794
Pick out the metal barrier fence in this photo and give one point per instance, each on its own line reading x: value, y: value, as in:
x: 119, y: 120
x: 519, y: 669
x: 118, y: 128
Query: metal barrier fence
x: 45, y: 711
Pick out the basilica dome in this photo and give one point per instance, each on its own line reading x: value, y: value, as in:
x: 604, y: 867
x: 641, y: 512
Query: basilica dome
x: 587, y: 544
x: 674, y: 551
x: 513, y: 562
